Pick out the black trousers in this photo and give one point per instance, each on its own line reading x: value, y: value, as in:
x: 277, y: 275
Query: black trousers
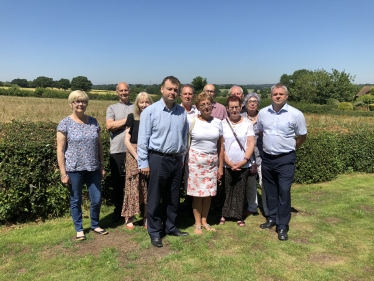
x: 164, y: 182
x: 117, y: 162
x: 277, y: 177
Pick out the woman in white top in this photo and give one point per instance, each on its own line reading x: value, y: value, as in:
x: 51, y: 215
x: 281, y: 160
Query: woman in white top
x: 205, y: 161
x: 236, y: 129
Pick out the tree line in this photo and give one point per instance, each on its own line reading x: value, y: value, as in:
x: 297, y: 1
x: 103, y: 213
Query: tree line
x: 311, y: 86
x: 77, y: 83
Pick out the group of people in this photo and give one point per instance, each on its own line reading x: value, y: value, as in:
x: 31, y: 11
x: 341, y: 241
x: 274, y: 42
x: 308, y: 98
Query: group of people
x: 152, y: 145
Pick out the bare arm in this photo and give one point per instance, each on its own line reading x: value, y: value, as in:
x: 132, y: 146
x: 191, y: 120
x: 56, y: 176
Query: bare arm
x: 300, y: 140
x: 114, y: 125
x: 130, y: 148
x: 61, y: 144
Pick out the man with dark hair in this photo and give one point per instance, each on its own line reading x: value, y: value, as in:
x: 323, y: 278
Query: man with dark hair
x: 161, y: 145
x: 280, y: 123
x: 116, y: 116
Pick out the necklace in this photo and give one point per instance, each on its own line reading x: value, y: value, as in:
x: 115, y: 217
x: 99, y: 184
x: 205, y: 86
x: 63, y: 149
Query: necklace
x: 252, y: 118
x: 235, y: 123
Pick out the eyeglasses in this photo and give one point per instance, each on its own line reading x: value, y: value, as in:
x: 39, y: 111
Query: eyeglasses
x: 234, y: 107
x: 209, y: 91
x: 252, y: 101
x: 80, y: 102
x: 202, y: 105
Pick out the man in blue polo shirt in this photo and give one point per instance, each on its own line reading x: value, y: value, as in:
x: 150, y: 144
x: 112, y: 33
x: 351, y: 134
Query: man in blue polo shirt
x: 280, y: 123
x: 161, y: 145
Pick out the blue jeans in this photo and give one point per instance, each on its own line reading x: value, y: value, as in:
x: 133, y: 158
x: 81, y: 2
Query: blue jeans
x: 93, y: 181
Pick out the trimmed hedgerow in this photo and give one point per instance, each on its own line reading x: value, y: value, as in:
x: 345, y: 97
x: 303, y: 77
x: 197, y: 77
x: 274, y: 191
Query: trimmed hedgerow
x: 29, y: 176
x: 30, y: 180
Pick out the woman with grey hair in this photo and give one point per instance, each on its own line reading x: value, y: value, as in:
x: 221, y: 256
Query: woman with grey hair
x: 252, y: 103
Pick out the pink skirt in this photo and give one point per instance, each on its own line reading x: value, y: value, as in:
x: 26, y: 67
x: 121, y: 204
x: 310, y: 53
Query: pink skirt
x: 202, y: 174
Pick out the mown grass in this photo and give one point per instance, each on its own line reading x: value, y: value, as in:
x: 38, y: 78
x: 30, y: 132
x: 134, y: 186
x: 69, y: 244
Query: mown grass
x: 330, y: 238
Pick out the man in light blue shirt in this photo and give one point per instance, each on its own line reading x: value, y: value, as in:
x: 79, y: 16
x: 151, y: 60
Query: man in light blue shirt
x: 279, y: 124
x: 162, y: 143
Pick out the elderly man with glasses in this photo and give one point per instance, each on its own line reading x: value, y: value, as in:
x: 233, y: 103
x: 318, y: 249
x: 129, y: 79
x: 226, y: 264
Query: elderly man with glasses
x: 218, y: 110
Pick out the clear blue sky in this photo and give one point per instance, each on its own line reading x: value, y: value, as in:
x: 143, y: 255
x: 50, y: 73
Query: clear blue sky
x: 236, y: 41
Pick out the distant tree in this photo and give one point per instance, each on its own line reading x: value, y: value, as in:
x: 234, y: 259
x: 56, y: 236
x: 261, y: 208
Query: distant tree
x: 30, y: 84
x: 42, y: 82
x: 152, y: 89
x: 63, y: 83
x: 265, y: 93
x: 1, y: 83
x: 245, y: 90
x: 81, y: 83
x: 372, y: 91
x: 199, y: 83
x: 319, y: 85
x: 225, y: 93
x: 20, y: 82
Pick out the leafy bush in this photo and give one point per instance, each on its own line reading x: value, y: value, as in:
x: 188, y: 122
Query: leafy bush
x: 29, y: 176
x: 371, y: 107
x: 332, y: 101
x: 345, y: 106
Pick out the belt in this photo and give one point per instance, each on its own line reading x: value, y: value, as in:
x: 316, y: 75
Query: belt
x: 271, y: 156
x: 165, y: 154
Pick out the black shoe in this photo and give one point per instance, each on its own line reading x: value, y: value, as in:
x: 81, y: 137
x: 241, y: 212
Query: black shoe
x: 282, y: 234
x: 101, y: 232
x: 268, y: 224
x: 157, y: 242
x: 177, y: 233
x: 117, y: 218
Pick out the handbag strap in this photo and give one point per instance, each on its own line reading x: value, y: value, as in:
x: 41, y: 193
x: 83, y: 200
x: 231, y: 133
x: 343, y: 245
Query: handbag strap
x: 236, y: 137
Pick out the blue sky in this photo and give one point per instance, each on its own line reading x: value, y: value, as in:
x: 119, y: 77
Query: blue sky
x: 234, y: 42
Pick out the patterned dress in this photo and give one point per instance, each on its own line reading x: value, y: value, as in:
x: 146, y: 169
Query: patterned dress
x: 136, y: 183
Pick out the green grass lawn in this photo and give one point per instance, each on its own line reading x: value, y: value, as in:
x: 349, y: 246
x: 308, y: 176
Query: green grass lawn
x: 331, y: 238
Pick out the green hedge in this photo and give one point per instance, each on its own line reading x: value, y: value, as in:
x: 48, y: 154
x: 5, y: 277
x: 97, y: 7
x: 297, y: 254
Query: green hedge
x: 30, y: 180
x: 29, y: 176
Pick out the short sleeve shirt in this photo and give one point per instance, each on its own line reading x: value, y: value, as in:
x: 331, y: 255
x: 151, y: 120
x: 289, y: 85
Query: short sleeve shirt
x: 205, y: 135
x: 243, y: 130
x: 118, y: 111
x: 81, y: 150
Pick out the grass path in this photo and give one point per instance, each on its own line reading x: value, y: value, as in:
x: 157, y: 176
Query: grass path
x: 331, y: 238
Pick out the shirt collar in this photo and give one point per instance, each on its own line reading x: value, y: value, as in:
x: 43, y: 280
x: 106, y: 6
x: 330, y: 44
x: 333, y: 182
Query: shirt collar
x: 284, y: 108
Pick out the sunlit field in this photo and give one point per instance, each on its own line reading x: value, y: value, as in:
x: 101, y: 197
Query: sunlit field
x: 39, y: 109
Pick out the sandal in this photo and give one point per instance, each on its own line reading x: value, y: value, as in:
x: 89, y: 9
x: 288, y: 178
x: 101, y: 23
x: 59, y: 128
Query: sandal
x: 198, y: 229
x: 209, y: 228
x: 222, y: 221
x: 129, y: 224
x: 240, y: 223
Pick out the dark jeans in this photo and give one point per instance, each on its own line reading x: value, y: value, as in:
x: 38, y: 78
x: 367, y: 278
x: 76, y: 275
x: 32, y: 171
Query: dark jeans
x: 277, y: 177
x: 93, y: 182
x: 117, y: 162
x: 164, y: 182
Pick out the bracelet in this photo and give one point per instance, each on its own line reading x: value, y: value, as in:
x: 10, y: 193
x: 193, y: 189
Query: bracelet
x: 246, y: 159
x: 64, y: 176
